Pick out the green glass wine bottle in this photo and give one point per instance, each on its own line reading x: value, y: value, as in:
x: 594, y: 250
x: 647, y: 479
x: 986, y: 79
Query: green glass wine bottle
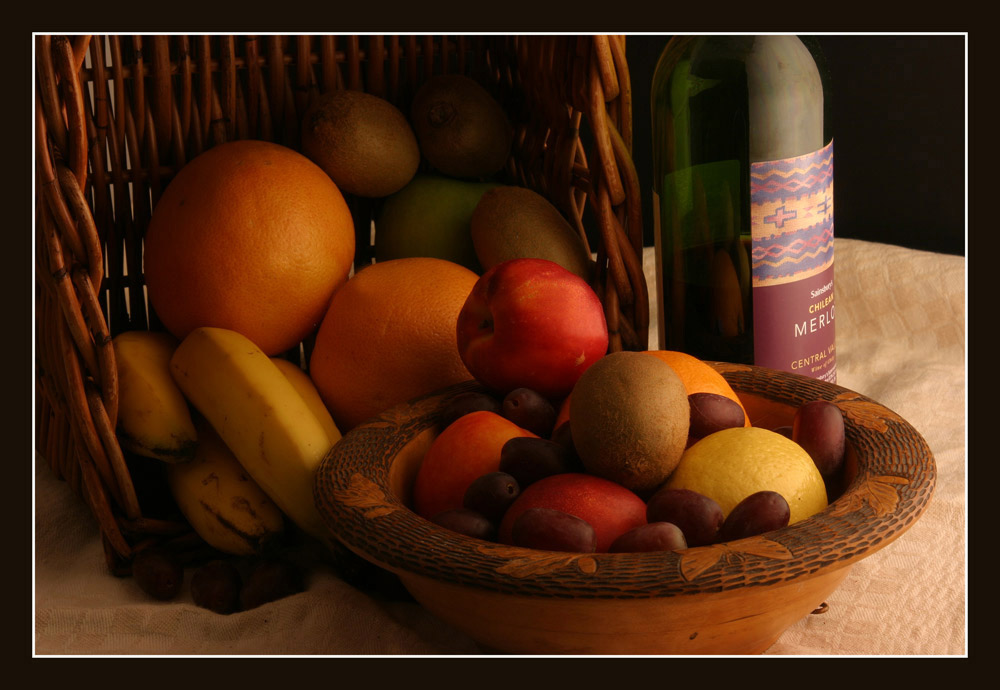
x: 743, y: 202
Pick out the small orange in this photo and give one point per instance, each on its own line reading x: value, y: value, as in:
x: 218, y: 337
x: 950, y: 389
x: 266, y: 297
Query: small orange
x: 697, y: 376
x: 250, y: 236
x: 390, y: 336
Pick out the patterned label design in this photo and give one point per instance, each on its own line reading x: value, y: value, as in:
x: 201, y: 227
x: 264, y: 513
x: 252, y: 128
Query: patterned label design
x: 791, y: 210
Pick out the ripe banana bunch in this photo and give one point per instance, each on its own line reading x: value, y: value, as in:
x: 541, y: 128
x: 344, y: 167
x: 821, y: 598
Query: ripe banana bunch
x: 307, y: 389
x: 260, y: 415
x: 221, y: 502
x: 153, y: 417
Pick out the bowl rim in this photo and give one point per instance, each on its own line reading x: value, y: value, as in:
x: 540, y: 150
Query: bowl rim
x: 893, y: 484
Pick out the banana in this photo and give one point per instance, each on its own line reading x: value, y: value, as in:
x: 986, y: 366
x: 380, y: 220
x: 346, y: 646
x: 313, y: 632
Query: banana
x: 259, y: 414
x: 154, y: 419
x: 226, y: 507
x: 307, y: 389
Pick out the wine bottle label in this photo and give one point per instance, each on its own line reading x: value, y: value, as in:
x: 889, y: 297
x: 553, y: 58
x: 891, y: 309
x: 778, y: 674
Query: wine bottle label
x: 791, y: 211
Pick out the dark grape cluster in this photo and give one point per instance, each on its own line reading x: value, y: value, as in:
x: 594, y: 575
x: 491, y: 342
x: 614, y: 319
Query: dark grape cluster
x: 158, y: 572
x: 529, y: 459
x: 224, y: 584
x: 553, y: 530
x: 818, y: 427
x: 711, y: 412
x: 698, y: 517
x: 491, y: 494
x: 530, y: 410
x: 760, y: 512
x: 523, y: 461
x: 675, y: 518
x: 653, y: 536
x: 216, y: 586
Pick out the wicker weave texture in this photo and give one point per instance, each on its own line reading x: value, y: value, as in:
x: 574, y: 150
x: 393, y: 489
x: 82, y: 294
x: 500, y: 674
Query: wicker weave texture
x: 117, y: 116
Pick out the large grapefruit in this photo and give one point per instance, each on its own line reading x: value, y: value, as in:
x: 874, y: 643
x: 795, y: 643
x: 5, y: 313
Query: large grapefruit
x: 390, y: 336
x: 250, y: 236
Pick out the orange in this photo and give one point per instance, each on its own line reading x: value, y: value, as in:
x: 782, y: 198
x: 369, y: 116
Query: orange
x: 250, y: 236
x: 697, y: 376
x: 390, y: 336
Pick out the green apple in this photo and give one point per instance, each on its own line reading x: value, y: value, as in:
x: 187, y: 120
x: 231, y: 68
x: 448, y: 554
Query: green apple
x: 430, y: 216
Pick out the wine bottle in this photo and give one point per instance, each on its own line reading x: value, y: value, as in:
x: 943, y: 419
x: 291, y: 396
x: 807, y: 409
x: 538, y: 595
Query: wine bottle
x: 743, y: 202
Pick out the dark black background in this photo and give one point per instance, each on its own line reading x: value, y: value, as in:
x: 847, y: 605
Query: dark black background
x: 899, y: 123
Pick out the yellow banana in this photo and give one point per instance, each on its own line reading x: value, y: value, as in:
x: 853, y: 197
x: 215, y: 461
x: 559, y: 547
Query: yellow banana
x: 259, y: 414
x: 221, y: 502
x: 153, y: 417
x: 307, y: 389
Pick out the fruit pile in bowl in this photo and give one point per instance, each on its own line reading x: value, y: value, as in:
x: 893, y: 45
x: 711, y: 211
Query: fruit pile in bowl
x: 573, y: 501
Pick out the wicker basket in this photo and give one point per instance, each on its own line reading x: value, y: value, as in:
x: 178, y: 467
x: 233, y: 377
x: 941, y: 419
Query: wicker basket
x: 117, y: 116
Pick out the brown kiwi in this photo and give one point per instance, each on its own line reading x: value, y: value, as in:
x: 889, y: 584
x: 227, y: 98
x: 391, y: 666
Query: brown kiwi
x: 629, y: 417
x: 515, y: 222
x: 363, y: 142
x: 461, y: 129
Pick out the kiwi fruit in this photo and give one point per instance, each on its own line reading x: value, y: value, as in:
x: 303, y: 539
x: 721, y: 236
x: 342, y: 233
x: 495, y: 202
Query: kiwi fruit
x: 461, y: 129
x: 630, y: 417
x: 512, y: 222
x: 363, y: 142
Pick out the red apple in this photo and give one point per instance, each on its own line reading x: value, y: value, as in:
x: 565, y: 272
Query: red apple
x: 530, y: 323
x: 467, y: 449
x: 610, y: 508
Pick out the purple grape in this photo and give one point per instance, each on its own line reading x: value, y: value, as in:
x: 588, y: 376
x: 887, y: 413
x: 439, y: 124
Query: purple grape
x: 467, y: 522
x: 553, y: 530
x: 216, y: 586
x: 530, y: 410
x: 529, y: 459
x: 758, y: 513
x: 698, y: 516
x: 819, y: 428
x: 271, y: 579
x: 653, y: 536
x: 491, y: 494
x: 711, y: 412
x: 158, y: 573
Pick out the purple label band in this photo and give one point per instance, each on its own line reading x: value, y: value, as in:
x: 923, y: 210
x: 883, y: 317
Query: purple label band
x: 791, y: 212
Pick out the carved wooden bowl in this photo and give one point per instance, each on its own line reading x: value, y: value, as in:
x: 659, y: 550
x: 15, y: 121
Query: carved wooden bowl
x: 732, y: 598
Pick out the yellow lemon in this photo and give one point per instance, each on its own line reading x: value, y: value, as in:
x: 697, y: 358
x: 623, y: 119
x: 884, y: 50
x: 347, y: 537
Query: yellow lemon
x: 731, y: 464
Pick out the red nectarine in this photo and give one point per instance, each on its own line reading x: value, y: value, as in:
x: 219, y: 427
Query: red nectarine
x: 530, y: 323
x: 610, y: 508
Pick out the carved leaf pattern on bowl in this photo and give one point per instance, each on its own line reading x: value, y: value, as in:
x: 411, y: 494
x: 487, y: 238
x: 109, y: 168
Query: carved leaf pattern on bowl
x: 696, y: 562
x: 521, y: 566
x: 865, y: 412
x: 880, y: 493
x: 364, y: 494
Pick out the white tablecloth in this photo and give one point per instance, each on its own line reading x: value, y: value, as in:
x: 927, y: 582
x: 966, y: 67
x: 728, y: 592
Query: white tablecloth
x: 900, y: 340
